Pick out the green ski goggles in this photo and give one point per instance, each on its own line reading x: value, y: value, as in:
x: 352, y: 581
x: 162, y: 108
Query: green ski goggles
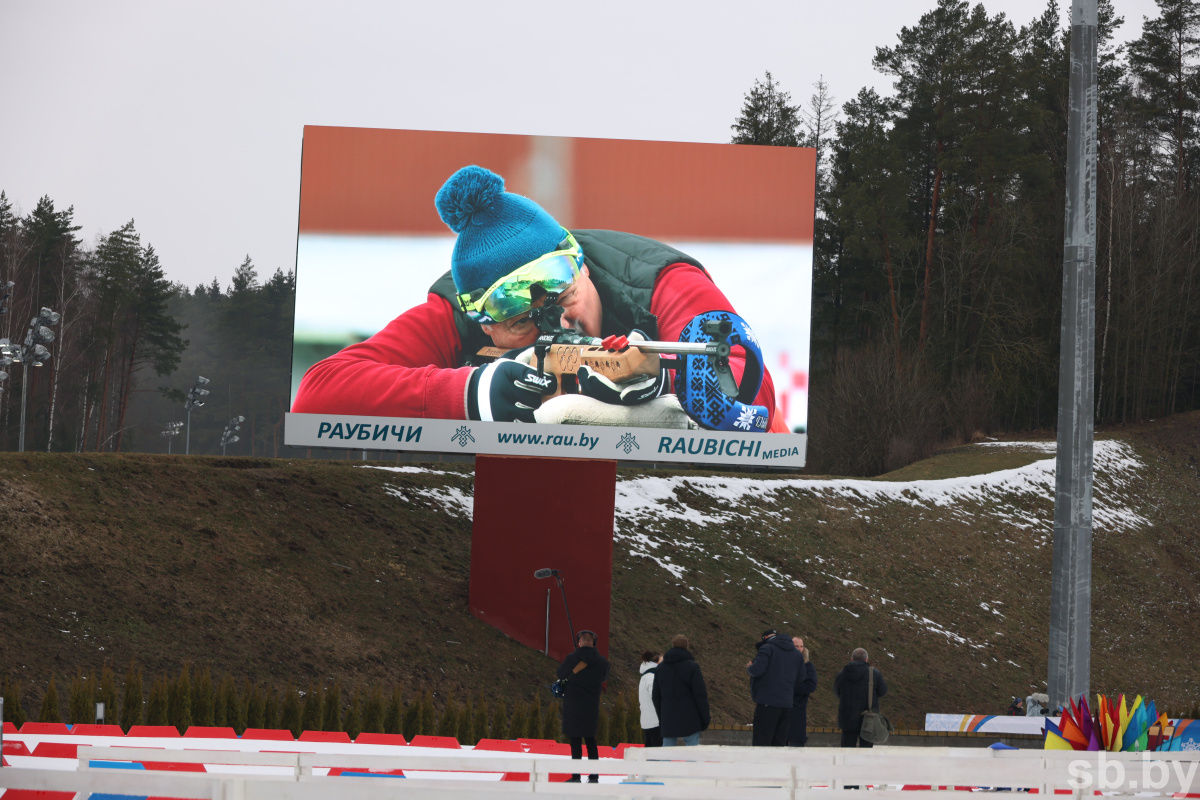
x: 512, y: 295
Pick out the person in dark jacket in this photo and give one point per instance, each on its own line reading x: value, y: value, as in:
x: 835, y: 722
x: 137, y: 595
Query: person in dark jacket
x: 850, y: 685
x: 680, y: 696
x: 806, y: 684
x: 584, y: 671
x: 773, y: 674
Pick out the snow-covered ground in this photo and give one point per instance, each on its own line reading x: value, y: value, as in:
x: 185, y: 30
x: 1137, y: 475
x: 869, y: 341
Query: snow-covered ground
x: 653, y: 515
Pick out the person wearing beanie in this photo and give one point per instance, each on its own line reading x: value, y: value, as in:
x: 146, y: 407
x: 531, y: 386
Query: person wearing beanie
x: 508, y: 254
x: 773, y: 672
x: 584, y: 671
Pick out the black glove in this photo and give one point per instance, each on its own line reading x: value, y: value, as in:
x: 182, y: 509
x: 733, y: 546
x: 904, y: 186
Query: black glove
x: 506, y: 391
x: 629, y: 393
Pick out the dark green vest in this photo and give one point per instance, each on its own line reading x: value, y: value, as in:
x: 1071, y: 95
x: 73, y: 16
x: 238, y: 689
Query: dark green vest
x: 623, y: 268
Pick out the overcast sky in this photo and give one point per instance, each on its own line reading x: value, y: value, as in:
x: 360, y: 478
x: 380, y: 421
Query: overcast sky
x: 187, y: 116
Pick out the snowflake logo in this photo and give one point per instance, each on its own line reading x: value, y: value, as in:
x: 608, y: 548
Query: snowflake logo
x: 749, y: 336
x: 745, y: 419
x: 462, y: 436
x: 628, y: 442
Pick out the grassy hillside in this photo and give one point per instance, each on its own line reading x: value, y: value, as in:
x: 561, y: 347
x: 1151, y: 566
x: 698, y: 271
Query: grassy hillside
x: 296, y: 571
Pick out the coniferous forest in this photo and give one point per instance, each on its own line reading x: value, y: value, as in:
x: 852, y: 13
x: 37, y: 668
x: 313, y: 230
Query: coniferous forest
x: 937, y: 267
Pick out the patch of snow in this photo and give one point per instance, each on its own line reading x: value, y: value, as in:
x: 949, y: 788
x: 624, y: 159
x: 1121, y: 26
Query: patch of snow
x: 453, y: 501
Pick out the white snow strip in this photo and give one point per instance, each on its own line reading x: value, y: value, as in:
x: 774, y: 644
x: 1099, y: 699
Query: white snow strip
x: 1006, y: 494
x: 416, y: 470
x: 454, y: 501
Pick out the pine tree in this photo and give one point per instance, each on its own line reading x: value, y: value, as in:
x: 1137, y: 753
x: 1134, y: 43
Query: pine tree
x: 411, y: 719
x: 356, y: 713
x: 256, y: 707
x: 465, y: 732
x: 332, y: 720
x: 425, y: 718
x: 374, y: 710
x: 768, y: 116
x: 290, y: 713
x: 393, y: 718
x: 51, y: 710
x: 204, y: 699
x: 179, y: 700
x: 106, y: 693
x: 448, y: 721
x: 1165, y: 61
x: 311, y: 716
x: 514, y: 721
x: 133, y: 700
x: 80, y: 701
x: 157, y: 708
x: 14, y: 710
x: 272, y: 709
x: 480, y: 721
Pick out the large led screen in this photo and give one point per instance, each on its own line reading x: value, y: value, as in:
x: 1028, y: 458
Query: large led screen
x: 549, y: 296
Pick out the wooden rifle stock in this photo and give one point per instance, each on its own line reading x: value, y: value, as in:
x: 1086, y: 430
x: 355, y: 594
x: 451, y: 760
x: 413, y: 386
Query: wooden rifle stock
x: 564, y: 360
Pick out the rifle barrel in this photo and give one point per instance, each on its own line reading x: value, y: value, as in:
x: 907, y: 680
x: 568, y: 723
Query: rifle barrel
x: 677, y: 348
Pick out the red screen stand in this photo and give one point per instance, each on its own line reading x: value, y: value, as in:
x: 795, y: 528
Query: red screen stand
x: 535, y: 514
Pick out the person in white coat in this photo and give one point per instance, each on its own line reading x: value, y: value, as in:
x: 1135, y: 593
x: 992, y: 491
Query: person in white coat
x: 651, y: 732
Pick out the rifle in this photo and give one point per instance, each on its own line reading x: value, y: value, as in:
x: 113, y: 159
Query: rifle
x: 704, y: 382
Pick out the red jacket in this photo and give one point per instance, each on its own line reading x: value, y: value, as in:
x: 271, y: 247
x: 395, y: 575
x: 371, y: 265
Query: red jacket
x: 412, y: 368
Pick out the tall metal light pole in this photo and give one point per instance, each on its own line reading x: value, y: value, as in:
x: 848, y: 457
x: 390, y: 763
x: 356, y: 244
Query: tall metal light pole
x: 169, y: 432
x: 195, y: 399
x: 230, y: 434
x: 1069, y: 662
x: 32, y: 352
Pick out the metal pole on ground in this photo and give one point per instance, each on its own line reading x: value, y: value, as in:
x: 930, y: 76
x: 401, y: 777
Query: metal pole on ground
x: 1069, y: 661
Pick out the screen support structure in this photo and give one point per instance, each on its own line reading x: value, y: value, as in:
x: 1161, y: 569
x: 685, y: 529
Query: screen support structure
x: 535, y: 518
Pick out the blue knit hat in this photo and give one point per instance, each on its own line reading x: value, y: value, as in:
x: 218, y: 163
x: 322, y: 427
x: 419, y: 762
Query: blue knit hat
x: 498, y: 231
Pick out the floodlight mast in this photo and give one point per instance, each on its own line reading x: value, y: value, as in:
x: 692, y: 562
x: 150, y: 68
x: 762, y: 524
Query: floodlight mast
x: 32, y: 352
x: 170, y: 431
x: 195, y: 399
x: 230, y: 434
